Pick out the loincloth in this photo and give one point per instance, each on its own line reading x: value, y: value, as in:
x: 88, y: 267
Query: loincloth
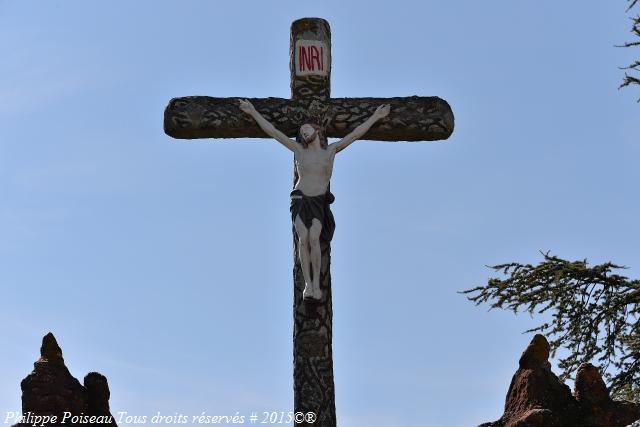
x: 317, y: 207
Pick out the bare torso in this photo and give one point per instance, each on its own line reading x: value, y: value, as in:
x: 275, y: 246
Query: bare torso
x: 314, y: 166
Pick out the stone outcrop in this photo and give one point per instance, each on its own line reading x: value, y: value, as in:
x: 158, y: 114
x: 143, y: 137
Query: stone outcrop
x: 50, y: 390
x: 537, y: 398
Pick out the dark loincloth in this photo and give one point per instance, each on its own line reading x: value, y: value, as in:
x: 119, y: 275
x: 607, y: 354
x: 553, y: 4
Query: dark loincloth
x: 317, y: 207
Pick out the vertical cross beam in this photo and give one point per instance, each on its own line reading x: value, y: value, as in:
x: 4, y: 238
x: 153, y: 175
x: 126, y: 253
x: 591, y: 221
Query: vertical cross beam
x: 314, y: 391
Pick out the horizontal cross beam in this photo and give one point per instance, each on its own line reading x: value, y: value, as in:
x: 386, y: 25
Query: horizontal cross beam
x: 414, y: 118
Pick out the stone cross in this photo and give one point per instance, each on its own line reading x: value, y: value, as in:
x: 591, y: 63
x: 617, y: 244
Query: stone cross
x: 411, y: 118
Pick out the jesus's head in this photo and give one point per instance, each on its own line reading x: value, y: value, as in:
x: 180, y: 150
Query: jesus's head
x: 308, y: 133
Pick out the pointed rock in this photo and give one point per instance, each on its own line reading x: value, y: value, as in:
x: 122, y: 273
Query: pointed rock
x: 589, y: 386
x: 537, y: 398
x: 51, y: 389
x: 98, y: 393
x: 597, y: 407
x: 50, y: 350
x: 536, y: 355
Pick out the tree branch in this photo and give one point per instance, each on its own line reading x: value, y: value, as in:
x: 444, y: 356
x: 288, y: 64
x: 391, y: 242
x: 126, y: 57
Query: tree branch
x: 594, y: 312
x: 635, y: 29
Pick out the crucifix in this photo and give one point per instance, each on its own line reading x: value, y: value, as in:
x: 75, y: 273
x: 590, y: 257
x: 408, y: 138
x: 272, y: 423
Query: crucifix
x: 311, y: 116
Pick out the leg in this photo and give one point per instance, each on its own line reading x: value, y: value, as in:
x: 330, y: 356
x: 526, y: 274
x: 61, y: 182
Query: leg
x: 316, y: 256
x: 303, y: 256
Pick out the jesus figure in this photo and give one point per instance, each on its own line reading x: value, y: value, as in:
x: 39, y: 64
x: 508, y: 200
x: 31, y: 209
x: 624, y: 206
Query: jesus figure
x: 310, y: 198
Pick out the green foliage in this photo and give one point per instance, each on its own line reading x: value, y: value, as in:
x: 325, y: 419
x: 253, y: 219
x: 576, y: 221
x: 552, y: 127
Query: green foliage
x: 594, y: 313
x: 630, y: 79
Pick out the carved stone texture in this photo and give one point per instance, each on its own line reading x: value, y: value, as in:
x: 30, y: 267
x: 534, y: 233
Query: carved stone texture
x: 312, y: 346
x: 537, y: 398
x: 51, y: 389
x: 310, y: 86
x: 413, y: 118
x: 312, y: 322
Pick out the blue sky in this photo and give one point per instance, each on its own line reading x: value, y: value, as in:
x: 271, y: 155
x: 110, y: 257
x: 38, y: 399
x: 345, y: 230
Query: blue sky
x: 166, y: 265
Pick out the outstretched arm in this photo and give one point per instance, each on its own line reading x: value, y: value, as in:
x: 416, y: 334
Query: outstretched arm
x: 267, y: 127
x: 381, y: 112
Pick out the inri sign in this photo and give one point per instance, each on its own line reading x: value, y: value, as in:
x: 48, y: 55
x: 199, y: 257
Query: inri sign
x: 311, y: 58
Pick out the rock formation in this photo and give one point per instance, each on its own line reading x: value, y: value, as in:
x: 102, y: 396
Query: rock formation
x: 537, y: 398
x: 51, y: 391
